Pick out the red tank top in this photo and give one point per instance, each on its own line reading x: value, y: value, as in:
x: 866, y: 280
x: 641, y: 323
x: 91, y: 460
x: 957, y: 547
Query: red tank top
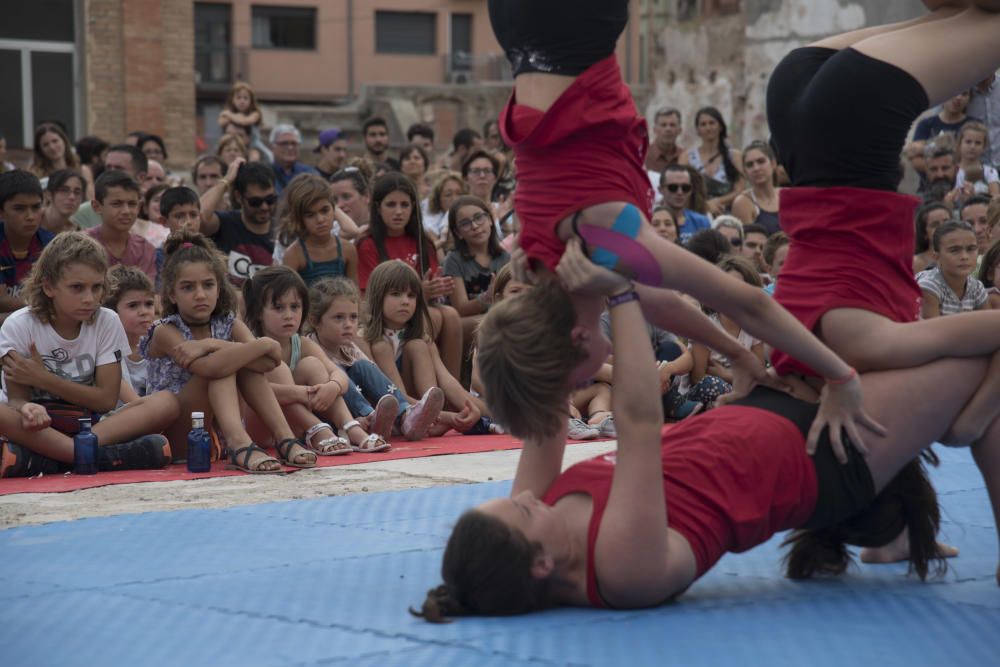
x: 588, y: 148
x: 732, y: 479
x: 851, y: 248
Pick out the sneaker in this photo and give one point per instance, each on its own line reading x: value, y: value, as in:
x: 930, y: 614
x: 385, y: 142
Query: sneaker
x: 419, y: 417
x: 384, y: 417
x: 19, y: 461
x: 145, y: 453
x: 607, y: 427
x: 581, y: 430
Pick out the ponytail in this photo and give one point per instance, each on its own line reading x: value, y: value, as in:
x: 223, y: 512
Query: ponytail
x: 908, y: 502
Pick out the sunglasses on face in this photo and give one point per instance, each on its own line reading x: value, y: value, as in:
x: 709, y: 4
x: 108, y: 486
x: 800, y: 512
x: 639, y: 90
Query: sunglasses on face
x: 678, y: 187
x: 257, y: 202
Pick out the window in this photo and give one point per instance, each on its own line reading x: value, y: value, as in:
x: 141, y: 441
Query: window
x: 212, y: 43
x: 461, y: 42
x: 284, y: 28
x: 413, y: 33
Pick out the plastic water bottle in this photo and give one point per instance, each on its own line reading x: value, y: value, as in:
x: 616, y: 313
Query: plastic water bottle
x: 85, y: 449
x: 199, y: 454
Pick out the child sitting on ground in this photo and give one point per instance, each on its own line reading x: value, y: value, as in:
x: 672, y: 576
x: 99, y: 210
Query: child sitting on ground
x: 116, y: 201
x: 202, y: 354
x: 397, y: 327
x: 21, y: 236
x: 131, y: 296
x: 712, y: 376
x: 306, y: 383
x: 333, y: 316
x: 950, y: 287
x: 62, y: 358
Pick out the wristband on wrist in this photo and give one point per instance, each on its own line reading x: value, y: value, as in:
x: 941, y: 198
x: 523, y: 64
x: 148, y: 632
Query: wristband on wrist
x: 843, y: 380
x: 624, y: 297
x: 225, y: 182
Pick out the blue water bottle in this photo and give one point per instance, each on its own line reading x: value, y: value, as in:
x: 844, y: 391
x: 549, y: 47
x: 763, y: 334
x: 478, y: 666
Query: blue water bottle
x: 199, y: 456
x: 85, y: 449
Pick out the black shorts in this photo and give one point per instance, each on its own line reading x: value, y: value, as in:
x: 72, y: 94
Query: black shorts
x: 842, y: 490
x: 557, y: 36
x: 840, y: 118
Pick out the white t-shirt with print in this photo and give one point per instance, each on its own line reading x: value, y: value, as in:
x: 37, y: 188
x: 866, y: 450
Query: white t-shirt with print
x: 102, y: 341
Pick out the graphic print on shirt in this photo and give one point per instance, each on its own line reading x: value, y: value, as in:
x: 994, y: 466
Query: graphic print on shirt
x: 246, y: 260
x: 80, y: 369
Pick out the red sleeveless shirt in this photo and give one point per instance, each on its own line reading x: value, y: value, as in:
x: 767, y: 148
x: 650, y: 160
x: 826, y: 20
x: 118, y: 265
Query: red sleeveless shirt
x: 732, y: 479
x: 588, y: 148
x: 851, y: 248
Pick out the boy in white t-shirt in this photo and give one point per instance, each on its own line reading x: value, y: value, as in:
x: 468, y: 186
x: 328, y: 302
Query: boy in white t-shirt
x: 62, y: 358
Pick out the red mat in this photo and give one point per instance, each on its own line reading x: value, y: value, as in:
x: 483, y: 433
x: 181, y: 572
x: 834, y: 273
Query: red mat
x: 453, y: 443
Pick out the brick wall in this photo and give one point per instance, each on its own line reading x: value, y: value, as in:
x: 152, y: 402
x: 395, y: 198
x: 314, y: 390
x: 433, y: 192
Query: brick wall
x: 104, y: 69
x: 139, y: 57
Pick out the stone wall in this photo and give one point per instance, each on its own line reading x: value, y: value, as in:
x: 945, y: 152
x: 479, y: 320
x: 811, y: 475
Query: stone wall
x: 702, y: 59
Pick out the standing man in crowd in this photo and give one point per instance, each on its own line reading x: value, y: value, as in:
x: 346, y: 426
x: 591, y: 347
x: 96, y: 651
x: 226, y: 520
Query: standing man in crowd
x: 332, y: 149
x: 664, y: 149
x: 285, y: 142
x: 463, y: 144
x: 376, y: 135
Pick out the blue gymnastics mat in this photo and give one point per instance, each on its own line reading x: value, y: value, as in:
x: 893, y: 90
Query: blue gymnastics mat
x: 327, y: 582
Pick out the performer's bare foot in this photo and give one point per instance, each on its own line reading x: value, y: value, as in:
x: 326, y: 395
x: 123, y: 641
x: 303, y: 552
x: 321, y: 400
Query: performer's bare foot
x: 898, y: 551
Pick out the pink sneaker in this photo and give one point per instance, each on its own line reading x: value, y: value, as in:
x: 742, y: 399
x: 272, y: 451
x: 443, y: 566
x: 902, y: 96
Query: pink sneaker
x: 418, y: 418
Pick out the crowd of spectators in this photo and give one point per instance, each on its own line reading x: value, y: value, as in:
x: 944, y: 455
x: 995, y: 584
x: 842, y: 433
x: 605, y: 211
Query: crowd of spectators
x: 387, y: 260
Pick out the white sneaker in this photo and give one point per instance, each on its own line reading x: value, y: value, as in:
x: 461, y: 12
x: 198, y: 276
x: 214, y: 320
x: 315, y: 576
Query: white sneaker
x: 607, y: 427
x: 581, y: 430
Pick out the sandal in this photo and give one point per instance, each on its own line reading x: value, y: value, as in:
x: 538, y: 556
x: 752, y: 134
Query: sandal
x: 284, y: 449
x: 245, y: 466
x: 332, y: 446
x: 371, y: 444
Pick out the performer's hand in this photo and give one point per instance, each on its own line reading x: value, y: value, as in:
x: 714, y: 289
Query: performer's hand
x: 842, y: 408
x: 582, y: 276
x: 748, y: 372
x: 519, y: 266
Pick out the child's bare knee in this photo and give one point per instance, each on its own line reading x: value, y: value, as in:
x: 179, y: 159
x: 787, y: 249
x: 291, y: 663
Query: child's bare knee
x: 309, y: 370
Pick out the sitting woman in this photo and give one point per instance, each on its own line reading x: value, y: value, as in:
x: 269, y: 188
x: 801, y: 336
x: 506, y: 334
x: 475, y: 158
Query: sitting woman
x: 636, y: 528
x: 929, y: 218
x: 758, y: 204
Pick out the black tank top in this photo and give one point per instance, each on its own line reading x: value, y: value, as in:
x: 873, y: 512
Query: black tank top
x: 557, y: 36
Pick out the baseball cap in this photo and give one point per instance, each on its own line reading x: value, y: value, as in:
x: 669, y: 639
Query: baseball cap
x: 327, y: 137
